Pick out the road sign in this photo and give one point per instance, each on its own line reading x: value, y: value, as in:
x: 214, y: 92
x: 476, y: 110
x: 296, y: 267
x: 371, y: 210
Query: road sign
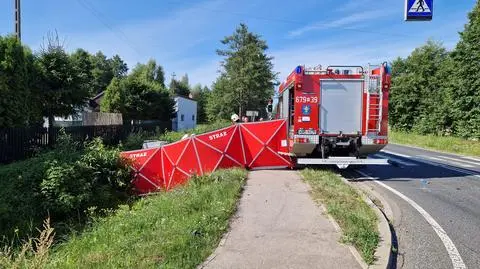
x: 418, y: 10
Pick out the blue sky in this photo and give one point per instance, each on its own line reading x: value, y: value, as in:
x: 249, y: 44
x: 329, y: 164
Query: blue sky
x: 183, y: 35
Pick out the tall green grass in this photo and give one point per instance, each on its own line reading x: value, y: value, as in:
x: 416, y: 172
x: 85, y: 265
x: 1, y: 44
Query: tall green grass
x: 356, y: 219
x: 441, y: 143
x: 176, y: 229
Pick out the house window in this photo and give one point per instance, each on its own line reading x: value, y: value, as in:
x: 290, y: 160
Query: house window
x: 182, y: 117
x: 193, y: 117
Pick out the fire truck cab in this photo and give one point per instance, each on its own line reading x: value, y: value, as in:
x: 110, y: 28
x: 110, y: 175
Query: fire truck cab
x: 336, y: 115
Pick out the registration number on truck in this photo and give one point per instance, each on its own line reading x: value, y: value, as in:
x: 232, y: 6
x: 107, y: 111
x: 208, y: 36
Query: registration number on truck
x: 306, y: 99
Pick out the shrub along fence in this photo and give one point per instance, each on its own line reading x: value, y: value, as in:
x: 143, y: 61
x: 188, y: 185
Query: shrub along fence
x: 21, y: 143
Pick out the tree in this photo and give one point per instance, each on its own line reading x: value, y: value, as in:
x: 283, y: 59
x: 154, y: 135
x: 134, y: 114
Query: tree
x: 114, y: 97
x: 150, y: 72
x: 118, y: 66
x: 184, y: 80
x: 82, y: 65
x: 417, y: 93
x: 200, y: 94
x: 102, y: 73
x: 466, y: 59
x: 17, y: 83
x: 247, y: 80
x: 221, y: 101
x: 181, y: 87
x: 62, y: 91
x: 137, y: 99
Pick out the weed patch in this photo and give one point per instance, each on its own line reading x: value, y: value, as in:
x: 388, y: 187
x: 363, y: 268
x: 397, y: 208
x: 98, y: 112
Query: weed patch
x: 175, y: 229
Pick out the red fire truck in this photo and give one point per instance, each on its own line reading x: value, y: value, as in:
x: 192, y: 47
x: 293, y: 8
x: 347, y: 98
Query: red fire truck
x: 337, y: 115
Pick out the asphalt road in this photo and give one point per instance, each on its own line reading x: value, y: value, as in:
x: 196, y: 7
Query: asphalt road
x: 437, y: 221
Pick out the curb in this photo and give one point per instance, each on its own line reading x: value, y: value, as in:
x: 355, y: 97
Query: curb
x: 384, y: 248
x: 352, y: 249
x: 225, y: 236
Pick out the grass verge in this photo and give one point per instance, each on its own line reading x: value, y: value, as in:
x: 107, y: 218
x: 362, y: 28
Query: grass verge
x: 175, y: 229
x: 441, y: 143
x: 356, y: 219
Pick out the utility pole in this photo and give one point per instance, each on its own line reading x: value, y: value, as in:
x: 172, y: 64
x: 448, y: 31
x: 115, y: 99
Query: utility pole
x: 18, y: 30
x: 173, y: 84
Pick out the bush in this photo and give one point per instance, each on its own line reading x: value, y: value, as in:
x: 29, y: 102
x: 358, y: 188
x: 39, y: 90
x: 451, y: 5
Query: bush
x: 135, y: 140
x: 174, y: 229
x: 64, y: 184
x: 98, y: 179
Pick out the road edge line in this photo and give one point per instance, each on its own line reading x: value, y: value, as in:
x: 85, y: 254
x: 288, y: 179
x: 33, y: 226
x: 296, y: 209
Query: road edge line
x: 450, y: 247
x: 447, y: 166
x: 384, y: 249
x: 434, y: 150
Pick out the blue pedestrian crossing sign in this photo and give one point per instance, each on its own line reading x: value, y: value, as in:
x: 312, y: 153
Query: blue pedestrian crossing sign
x: 418, y: 10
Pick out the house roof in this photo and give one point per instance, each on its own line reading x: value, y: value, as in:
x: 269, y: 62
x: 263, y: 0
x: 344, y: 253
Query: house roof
x: 184, y: 97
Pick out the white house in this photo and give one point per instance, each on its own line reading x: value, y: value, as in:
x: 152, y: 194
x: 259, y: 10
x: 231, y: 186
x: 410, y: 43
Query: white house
x: 185, y: 113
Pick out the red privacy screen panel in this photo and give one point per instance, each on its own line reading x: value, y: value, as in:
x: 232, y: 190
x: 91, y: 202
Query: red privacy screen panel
x: 249, y: 145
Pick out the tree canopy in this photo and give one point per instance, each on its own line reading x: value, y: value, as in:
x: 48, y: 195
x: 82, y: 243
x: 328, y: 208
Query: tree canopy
x: 140, y: 95
x: 435, y: 91
x: 150, y: 72
x: 416, y: 92
x: 201, y: 94
x: 180, y: 87
x: 466, y: 61
x: 52, y: 82
x: 138, y: 100
x: 247, y: 79
x: 61, y: 86
x: 17, y: 84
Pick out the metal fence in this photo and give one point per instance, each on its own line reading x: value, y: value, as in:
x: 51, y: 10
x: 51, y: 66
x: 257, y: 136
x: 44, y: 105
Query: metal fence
x: 21, y: 143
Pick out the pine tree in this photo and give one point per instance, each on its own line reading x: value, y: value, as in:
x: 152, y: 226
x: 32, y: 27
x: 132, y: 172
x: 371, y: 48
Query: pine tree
x: 247, y: 79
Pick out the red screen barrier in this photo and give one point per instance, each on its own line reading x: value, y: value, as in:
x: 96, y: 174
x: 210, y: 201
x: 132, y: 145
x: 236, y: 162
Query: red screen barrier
x: 249, y: 145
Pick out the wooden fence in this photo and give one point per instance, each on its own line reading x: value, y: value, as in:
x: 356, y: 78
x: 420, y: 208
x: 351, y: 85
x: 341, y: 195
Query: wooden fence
x: 21, y: 143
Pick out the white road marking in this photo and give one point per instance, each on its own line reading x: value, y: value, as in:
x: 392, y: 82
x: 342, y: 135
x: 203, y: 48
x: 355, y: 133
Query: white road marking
x: 438, y: 159
x: 438, y: 151
x: 398, y: 154
x: 460, y: 170
x: 447, y: 242
x: 396, y: 160
x: 471, y: 158
x: 458, y: 160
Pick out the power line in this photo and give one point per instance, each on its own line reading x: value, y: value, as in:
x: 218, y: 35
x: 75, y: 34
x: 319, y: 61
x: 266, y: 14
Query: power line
x: 286, y: 21
x: 118, y: 32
